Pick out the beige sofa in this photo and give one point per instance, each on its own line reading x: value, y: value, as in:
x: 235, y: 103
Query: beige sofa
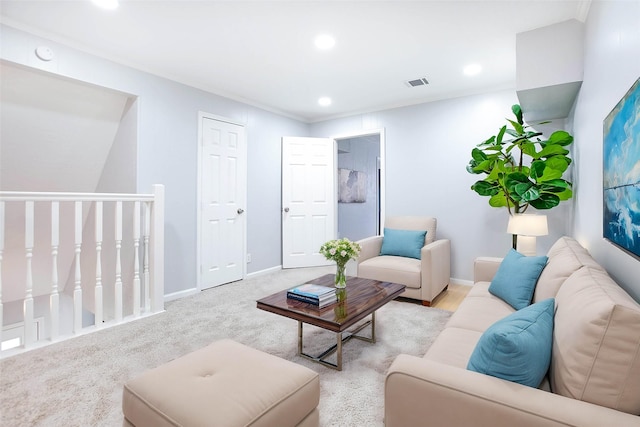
x: 424, y: 278
x: 594, y: 376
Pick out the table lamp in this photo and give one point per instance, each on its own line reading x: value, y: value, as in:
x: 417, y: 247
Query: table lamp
x: 527, y: 227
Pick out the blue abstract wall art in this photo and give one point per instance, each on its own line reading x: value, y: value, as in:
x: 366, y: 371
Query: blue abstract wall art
x: 621, y: 172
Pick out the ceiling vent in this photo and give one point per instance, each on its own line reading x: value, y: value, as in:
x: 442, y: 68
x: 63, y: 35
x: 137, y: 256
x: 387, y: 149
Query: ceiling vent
x: 417, y: 82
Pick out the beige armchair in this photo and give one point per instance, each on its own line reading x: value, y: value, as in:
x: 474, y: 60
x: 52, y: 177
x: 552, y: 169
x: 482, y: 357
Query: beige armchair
x: 425, y: 278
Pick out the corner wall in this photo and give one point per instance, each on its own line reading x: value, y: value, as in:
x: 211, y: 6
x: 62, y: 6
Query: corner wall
x: 428, y: 147
x: 612, y: 65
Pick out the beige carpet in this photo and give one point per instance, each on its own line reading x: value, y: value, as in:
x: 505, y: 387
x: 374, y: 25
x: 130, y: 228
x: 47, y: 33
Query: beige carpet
x: 78, y: 382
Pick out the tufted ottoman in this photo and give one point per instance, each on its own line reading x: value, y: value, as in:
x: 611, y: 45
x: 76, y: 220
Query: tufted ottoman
x: 225, y: 384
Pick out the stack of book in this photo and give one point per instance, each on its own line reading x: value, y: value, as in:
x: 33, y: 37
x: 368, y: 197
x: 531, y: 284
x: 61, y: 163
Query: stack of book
x: 318, y: 295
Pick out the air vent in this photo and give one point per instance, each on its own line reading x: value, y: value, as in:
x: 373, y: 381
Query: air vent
x: 417, y: 82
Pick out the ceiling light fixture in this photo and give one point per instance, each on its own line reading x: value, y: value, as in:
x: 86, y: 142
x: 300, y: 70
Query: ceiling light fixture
x: 324, y: 41
x: 472, y: 69
x: 325, y: 101
x: 106, y: 4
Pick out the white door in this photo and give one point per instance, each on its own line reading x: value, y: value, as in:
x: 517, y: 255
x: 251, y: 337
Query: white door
x: 223, y: 177
x: 308, y: 200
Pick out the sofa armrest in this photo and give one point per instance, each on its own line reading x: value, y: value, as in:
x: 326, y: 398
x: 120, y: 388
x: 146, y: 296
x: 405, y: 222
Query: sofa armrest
x: 369, y: 248
x: 484, y: 268
x: 435, y: 259
x: 420, y: 391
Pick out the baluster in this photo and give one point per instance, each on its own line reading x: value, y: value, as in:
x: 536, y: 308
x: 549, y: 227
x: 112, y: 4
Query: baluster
x: 98, y: 291
x: 145, y: 267
x: 118, y: 287
x: 1, y: 250
x: 54, y: 298
x: 28, y: 297
x: 77, y: 291
x: 136, y: 259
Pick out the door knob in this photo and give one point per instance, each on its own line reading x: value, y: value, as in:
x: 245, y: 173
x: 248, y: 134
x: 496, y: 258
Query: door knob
x: 240, y: 211
x: 286, y: 209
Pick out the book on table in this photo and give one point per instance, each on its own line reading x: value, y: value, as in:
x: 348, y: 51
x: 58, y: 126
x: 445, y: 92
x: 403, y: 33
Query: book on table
x: 313, y: 294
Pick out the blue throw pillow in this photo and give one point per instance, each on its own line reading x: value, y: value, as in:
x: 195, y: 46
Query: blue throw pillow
x: 405, y: 243
x: 516, y: 278
x: 518, y: 347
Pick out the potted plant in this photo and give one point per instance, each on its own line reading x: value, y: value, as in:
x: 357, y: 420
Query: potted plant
x: 522, y: 171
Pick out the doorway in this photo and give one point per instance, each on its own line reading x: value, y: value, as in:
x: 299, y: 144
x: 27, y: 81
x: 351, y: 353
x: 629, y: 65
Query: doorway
x: 222, y: 195
x: 360, y: 185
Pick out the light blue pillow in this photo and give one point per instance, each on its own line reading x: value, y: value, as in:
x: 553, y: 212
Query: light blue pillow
x: 516, y: 278
x: 518, y: 347
x: 405, y: 243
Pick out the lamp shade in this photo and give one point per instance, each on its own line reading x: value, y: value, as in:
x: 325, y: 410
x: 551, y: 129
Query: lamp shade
x: 528, y: 225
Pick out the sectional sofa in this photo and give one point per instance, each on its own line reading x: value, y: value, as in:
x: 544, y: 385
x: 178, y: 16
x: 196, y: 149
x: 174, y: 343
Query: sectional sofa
x: 594, y: 368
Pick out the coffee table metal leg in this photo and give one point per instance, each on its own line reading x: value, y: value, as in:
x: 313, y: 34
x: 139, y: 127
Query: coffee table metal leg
x: 299, y: 338
x: 339, y: 352
x: 373, y: 327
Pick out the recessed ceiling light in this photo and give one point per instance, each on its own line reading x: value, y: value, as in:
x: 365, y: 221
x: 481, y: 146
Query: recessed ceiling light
x: 472, y: 69
x: 106, y: 4
x: 325, y: 41
x: 325, y: 101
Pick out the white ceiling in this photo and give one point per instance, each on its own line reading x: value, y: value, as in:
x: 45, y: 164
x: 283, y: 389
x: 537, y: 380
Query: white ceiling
x: 262, y: 52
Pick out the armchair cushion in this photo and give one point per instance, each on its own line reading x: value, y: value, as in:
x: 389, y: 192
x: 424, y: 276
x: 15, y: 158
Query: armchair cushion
x: 516, y: 278
x: 405, y: 243
x: 518, y: 347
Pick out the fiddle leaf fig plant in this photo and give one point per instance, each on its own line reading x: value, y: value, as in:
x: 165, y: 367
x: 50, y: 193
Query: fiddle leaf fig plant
x: 520, y: 168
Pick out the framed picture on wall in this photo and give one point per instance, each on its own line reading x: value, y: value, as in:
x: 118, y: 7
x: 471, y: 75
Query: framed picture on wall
x: 352, y: 186
x: 621, y: 172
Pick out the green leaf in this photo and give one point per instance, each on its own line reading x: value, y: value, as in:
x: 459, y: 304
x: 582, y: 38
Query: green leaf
x: 484, y: 166
x: 528, y: 148
x: 537, y: 169
x: 546, y: 201
x: 517, y: 126
x: 478, y: 155
x: 550, y: 175
x: 560, y: 137
x: 559, y: 163
x: 518, y: 112
x: 512, y: 133
x: 488, y: 141
x: 499, y: 200
x: 522, y: 188
x: 501, y: 135
x: 485, y: 188
x: 531, y: 194
x: 551, y: 150
x: 565, y: 195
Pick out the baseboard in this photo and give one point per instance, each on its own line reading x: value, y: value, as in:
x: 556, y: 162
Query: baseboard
x: 180, y: 294
x: 263, y: 272
x: 462, y: 282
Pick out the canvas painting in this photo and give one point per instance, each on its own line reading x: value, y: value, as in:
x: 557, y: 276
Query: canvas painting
x: 352, y: 186
x: 621, y: 172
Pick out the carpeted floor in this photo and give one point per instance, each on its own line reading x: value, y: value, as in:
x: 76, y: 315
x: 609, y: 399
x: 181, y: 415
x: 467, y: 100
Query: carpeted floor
x: 78, y: 382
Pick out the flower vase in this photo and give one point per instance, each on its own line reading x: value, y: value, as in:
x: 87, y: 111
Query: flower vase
x: 341, y: 278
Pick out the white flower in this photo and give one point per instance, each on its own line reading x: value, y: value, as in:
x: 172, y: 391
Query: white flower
x: 343, y: 253
x: 332, y: 251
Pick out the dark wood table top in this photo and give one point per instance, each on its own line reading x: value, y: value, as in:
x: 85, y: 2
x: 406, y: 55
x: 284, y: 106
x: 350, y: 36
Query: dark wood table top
x: 362, y: 297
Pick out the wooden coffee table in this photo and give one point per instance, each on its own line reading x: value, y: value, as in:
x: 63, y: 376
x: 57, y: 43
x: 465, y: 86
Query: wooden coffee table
x: 361, y: 298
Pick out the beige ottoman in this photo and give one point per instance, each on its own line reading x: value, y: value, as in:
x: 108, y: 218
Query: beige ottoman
x: 225, y: 384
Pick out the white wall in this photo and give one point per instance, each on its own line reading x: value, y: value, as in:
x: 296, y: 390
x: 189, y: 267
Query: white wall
x: 167, y: 150
x: 612, y: 65
x: 428, y: 147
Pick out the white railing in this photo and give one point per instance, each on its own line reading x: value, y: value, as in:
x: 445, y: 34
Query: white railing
x: 76, y: 245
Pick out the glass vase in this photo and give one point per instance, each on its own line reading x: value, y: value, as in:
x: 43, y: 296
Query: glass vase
x: 341, y: 278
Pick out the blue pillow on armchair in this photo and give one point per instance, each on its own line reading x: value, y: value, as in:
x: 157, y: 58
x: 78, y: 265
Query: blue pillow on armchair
x: 406, y: 243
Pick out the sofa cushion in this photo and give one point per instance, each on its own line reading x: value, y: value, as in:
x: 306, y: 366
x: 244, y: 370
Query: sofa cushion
x: 479, y: 311
x: 516, y: 278
x: 453, y: 347
x: 565, y: 257
x: 596, y: 343
x: 395, y: 269
x: 405, y: 243
x: 518, y: 347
